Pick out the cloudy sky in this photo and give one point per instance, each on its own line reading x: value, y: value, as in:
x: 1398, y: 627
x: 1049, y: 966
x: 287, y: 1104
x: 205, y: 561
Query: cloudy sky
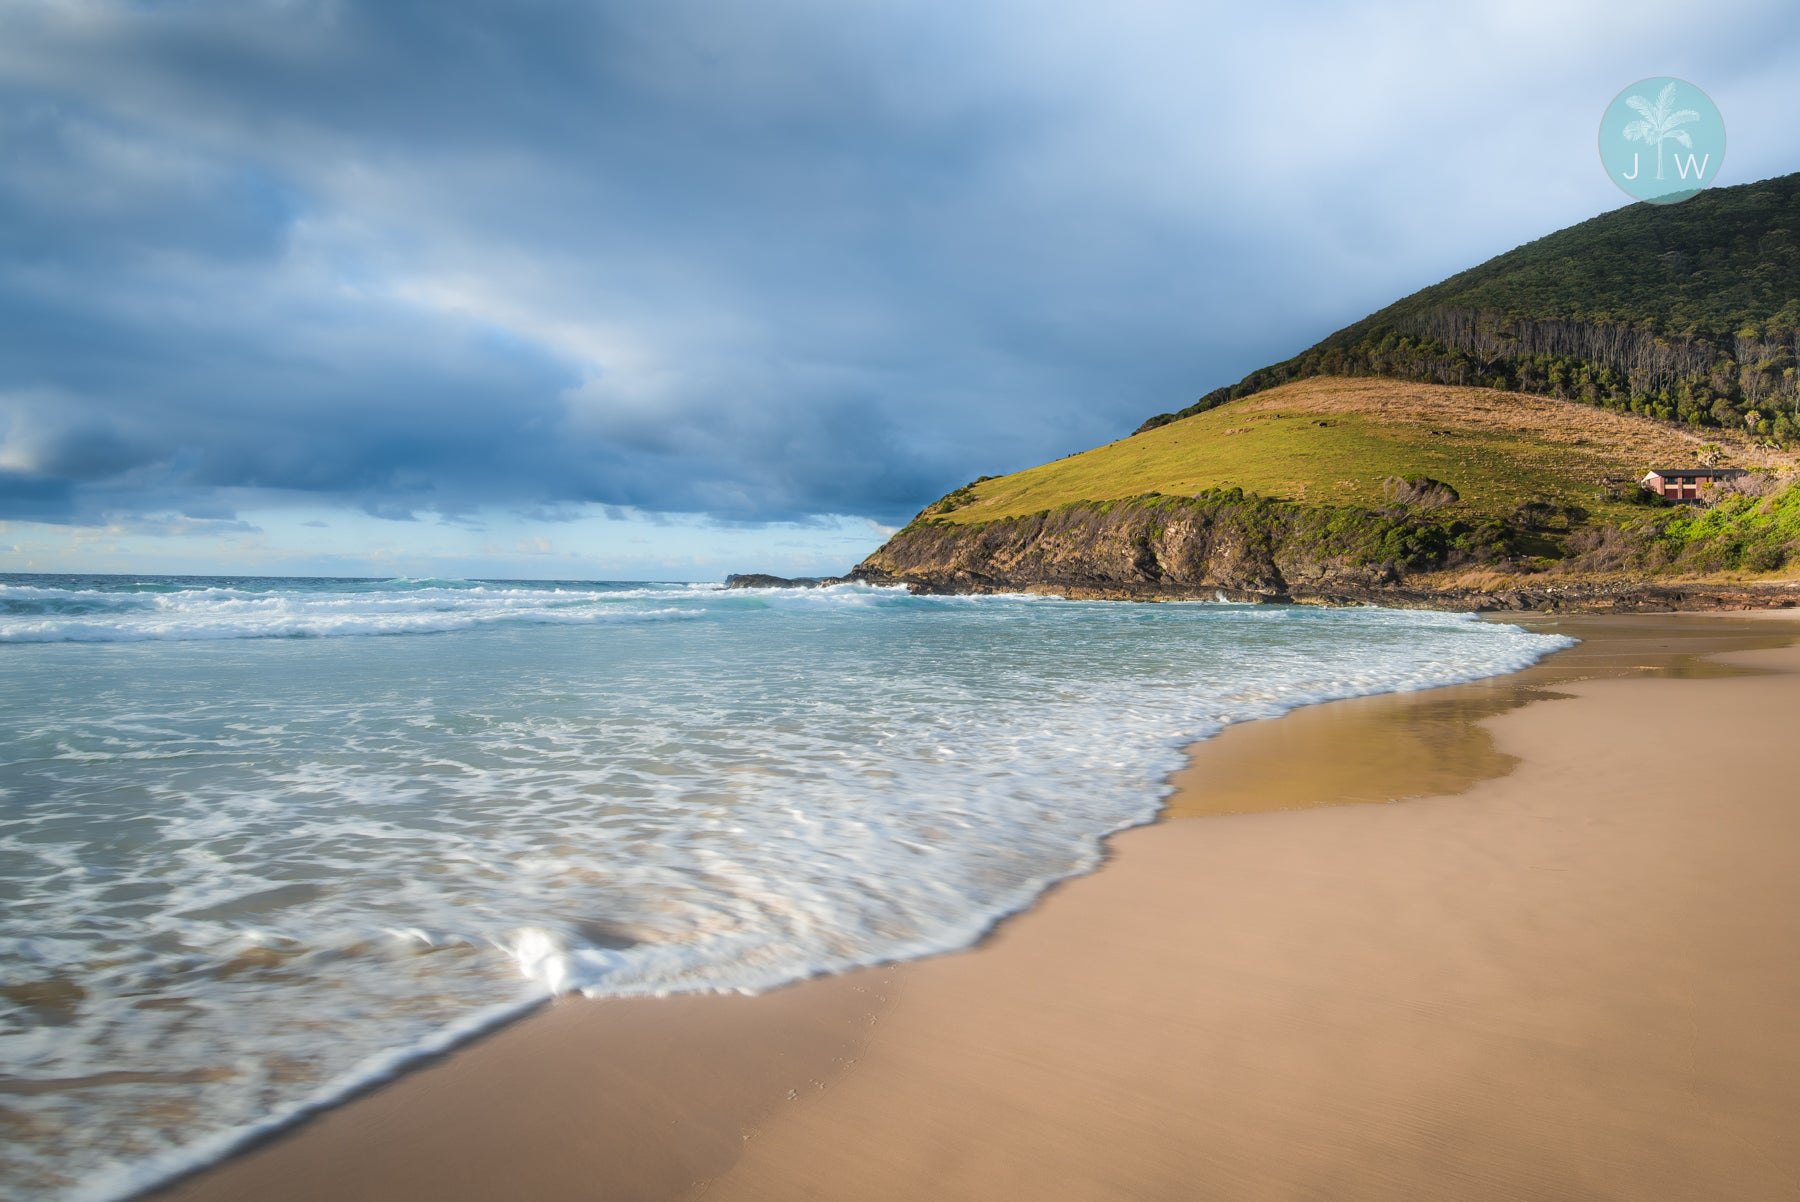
x: 618, y: 289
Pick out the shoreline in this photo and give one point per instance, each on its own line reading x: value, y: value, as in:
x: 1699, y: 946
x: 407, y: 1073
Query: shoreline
x: 1542, y: 593
x: 656, y: 1097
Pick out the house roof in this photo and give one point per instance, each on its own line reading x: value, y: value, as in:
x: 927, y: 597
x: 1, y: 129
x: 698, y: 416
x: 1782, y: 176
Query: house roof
x: 1676, y: 473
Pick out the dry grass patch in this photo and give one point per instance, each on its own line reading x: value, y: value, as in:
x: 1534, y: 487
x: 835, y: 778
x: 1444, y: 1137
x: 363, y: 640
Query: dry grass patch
x: 1335, y: 441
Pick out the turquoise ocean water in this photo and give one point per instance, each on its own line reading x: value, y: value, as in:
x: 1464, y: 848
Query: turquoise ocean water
x: 264, y: 840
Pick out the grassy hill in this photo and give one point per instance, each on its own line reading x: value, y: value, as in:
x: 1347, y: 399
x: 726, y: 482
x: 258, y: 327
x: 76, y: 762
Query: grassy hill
x: 1370, y: 490
x: 1335, y: 442
x: 1481, y: 437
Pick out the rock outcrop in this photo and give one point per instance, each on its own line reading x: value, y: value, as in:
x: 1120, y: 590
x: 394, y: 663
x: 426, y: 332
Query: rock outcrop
x: 1228, y: 546
x: 763, y: 580
x: 1245, y: 547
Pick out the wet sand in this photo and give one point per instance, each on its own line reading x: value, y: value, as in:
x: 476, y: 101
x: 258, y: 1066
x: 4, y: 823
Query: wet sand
x: 1561, y: 968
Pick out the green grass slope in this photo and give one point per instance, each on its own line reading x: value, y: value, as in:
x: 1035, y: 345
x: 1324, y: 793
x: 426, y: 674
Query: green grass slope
x: 1336, y: 442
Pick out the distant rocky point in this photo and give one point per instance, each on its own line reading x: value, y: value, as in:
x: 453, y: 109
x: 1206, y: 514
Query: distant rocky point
x: 763, y: 580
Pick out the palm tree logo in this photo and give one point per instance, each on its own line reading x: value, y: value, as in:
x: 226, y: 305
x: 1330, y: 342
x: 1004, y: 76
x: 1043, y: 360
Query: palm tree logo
x: 1660, y: 121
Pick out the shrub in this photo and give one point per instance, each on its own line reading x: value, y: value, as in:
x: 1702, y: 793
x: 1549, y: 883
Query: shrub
x: 1419, y: 492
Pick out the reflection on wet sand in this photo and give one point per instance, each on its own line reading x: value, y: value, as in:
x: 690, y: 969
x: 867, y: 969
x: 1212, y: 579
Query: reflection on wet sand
x: 1396, y: 746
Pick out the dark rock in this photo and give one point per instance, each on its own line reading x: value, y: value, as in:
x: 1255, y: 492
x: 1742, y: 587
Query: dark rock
x: 762, y: 580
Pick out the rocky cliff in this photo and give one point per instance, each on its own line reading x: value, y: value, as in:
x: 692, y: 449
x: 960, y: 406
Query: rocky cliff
x: 1228, y: 545
x: 1223, y: 541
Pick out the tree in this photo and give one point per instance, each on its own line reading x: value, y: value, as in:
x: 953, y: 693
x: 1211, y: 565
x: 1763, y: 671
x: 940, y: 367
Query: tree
x: 1659, y: 122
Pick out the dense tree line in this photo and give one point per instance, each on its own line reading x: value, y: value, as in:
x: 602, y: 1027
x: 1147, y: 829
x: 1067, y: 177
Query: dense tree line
x: 1687, y: 312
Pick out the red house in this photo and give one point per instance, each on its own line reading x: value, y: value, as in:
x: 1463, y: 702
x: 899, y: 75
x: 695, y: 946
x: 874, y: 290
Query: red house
x: 1685, y: 483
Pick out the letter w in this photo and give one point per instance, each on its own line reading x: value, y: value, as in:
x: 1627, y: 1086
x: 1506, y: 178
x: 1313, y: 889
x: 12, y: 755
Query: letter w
x: 1682, y: 169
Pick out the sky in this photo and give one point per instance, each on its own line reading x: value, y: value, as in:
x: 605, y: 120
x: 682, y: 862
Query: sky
x: 627, y: 290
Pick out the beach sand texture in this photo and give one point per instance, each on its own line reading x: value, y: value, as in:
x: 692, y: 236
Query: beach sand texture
x: 1575, y: 978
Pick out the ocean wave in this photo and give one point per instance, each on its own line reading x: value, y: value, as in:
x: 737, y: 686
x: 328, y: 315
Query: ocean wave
x: 281, y: 624
x: 199, y: 612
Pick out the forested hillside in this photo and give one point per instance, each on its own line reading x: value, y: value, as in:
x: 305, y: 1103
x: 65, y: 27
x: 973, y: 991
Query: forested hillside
x: 1687, y: 312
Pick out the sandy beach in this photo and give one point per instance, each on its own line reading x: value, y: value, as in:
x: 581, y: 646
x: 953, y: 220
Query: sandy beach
x: 1527, y: 938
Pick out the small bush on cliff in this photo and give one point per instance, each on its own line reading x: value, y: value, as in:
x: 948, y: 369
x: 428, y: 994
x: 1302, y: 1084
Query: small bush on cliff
x: 953, y: 500
x: 1607, y: 549
x: 1546, y: 516
x: 1419, y: 492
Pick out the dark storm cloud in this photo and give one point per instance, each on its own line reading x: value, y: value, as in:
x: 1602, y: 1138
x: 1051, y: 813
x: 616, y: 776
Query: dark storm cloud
x: 759, y: 261
x: 34, y: 497
x: 225, y: 227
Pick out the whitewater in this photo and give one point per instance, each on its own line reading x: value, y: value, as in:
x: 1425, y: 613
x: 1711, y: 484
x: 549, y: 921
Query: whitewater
x: 264, y: 840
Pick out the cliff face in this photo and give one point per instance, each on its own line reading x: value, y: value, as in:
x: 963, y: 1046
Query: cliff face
x: 1249, y: 548
x: 1244, y: 546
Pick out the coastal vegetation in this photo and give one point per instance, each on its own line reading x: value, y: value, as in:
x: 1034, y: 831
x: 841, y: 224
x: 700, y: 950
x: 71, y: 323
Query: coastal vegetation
x: 1753, y: 529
